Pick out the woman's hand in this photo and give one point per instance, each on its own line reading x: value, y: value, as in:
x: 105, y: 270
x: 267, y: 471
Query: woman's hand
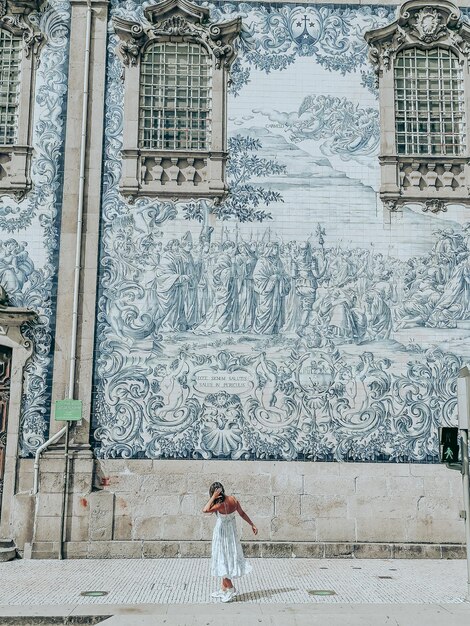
x: 254, y: 529
x: 210, y: 504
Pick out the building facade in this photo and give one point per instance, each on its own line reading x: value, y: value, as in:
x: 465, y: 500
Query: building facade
x: 237, y: 232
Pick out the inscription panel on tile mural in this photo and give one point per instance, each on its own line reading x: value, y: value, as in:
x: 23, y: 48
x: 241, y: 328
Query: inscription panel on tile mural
x: 206, y: 381
x: 285, y: 322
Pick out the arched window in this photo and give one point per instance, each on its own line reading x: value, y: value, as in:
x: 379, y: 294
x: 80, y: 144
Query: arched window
x: 175, y: 97
x: 429, y: 102
x: 10, y: 63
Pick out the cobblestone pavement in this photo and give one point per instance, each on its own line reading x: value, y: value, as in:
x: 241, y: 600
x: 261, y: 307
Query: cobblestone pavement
x: 273, y: 581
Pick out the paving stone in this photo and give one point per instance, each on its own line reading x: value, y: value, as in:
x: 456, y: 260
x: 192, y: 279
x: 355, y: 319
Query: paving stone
x: 280, y: 581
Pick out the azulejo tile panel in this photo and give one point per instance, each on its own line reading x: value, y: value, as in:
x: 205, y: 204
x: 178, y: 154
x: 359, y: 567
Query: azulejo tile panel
x: 29, y: 228
x: 286, y: 322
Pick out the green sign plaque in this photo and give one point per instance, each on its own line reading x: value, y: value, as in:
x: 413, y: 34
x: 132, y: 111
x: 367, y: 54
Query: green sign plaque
x: 68, y: 410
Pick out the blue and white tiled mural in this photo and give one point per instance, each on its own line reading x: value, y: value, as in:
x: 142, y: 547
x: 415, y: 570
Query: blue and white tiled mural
x: 288, y: 322
x: 29, y: 228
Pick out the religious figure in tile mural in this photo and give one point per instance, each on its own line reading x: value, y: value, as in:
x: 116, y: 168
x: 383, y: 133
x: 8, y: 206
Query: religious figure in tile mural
x: 15, y: 265
x: 271, y: 285
x: 170, y: 283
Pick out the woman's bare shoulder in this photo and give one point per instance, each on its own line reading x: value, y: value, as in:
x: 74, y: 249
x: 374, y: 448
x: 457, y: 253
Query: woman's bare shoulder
x: 231, y: 504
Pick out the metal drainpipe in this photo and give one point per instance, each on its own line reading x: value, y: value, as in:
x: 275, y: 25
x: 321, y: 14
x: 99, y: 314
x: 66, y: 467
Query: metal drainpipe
x: 39, y: 451
x: 78, y: 260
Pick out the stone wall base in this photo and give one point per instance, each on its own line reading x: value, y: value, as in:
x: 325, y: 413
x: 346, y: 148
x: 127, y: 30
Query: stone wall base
x: 253, y: 549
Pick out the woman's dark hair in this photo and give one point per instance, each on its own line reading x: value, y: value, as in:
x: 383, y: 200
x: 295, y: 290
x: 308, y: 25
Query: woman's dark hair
x: 214, y: 488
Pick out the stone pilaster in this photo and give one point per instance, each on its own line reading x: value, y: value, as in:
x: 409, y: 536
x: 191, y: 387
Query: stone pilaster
x: 91, y: 212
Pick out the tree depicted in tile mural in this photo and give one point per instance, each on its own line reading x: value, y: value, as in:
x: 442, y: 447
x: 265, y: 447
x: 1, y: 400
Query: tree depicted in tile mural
x: 286, y: 322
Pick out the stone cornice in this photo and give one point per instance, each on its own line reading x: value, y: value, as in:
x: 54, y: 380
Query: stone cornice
x: 173, y: 20
x: 14, y: 18
x: 11, y: 320
x: 422, y: 24
x: 15, y: 316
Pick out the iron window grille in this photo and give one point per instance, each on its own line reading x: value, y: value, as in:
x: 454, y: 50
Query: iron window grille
x: 175, y: 97
x: 10, y: 63
x: 429, y: 102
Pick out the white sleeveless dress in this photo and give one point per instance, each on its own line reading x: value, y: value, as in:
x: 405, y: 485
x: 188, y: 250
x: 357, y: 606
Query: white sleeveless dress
x: 227, y: 553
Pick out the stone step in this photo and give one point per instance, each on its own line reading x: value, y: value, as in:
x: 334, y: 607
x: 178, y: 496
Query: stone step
x: 7, y: 550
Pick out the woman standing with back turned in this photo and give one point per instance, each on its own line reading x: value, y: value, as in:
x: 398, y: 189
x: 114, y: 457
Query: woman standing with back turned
x: 227, y: 554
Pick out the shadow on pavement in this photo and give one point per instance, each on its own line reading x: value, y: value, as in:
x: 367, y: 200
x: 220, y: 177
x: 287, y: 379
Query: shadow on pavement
x: 264, y: 593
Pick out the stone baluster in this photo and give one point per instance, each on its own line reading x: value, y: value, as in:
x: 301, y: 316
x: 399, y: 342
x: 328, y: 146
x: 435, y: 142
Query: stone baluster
x: 415, y: 175
x: 431, y: 175
x: 157, y: 170
x: 447, y: 176
x: 190, y: 171
x: 402, y: 176
x: 174, y: 170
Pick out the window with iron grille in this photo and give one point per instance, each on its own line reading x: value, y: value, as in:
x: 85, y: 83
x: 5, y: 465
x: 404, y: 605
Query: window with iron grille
x: 10, y: 60
x: 429, y: 102
x: 175, y: 97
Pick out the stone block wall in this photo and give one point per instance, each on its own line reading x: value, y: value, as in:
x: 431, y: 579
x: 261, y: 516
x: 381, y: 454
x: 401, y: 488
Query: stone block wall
x: 145, y: 508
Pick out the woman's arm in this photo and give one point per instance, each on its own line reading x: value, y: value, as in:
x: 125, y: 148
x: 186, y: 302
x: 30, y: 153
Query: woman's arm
x: 209, y: 508
x: 244, y: 516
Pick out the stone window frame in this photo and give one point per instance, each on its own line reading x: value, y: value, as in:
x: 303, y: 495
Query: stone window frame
x: 175, y: 174
x: 430, y: 181
x: 15, y: 159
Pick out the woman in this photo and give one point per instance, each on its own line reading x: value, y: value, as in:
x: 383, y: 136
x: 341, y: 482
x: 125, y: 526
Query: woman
x: 227, y: 554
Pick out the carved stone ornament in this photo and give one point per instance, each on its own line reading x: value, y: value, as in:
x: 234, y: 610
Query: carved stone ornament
x: 178, y: 19
x: 428, y: 25
x: 419, y: 23
x: 14, y: 18
x: 391, y: 205
x: 12, y: 319
x: 434, y: 206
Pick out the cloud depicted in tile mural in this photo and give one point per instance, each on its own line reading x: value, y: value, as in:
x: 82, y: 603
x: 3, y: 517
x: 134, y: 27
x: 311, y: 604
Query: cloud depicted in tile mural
x: 29, y: 236
x: 342, y: 127
x: 290, y: 332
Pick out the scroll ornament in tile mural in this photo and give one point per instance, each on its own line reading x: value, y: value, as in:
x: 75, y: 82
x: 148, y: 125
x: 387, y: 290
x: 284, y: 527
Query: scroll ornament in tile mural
x: 229, y: 332
x: 29, y: 239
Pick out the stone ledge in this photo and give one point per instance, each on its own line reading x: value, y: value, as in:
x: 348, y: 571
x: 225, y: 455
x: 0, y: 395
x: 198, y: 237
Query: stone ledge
x: 253, y: 549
